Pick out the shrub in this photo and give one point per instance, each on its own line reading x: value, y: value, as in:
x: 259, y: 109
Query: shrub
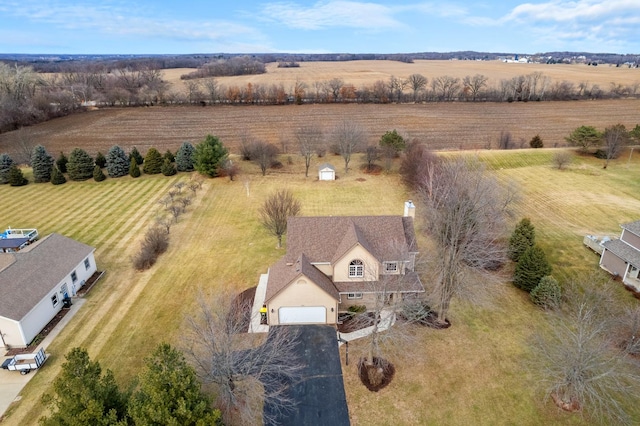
x: 561, y: 159
x: 531, y: 267
x: 41, y: 162
x: 536, y: 142
x: 57, y: 178
x: 357, y: 309
x: 523, y: 237
x: 101, y: 161
x: 134, y: 169
x: 547, y: 294
x: 117, y: 162
x: 169, y: 156
x: 156, y: 242
x: 80, y: 165
x: 16, y: 178
x: 184, y: 157
x: 168, y: 168
x: 136, y: 154
x: 62, y: 161
x: 152, y: 162
x: 98, y: 174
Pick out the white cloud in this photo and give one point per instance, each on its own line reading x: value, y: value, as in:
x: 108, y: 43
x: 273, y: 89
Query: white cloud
x: 327, y: 14
x: 580, y: 10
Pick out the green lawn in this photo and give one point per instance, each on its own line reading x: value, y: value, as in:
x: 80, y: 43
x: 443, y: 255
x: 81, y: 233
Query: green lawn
x: 471, y: 373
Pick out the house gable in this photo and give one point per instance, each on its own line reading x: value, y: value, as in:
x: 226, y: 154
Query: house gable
x: 370, y: 265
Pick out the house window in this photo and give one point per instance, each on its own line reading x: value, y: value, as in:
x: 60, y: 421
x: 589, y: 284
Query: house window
x: 87, y: 263
x: 356, y: 269
x: 354, y: 295
x: 391, y: 267
x: 74, y: 276
x: 54, y: 300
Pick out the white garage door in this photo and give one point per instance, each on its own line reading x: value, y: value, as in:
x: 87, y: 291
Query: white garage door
x: 326, y: 175
x: 303, y: 315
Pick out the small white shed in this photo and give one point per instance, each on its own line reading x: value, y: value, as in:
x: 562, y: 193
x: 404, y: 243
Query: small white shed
x: 326, y: 172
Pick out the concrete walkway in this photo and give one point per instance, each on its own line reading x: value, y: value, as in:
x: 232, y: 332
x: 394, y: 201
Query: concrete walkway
x: 12, y: 382
x: 387, y: 319
x: 258, y: 301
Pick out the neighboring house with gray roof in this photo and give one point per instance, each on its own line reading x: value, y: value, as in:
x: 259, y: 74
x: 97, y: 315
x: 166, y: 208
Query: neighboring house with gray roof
x: 621, y: 257
x: 34, y: 282
x: 335, y: 262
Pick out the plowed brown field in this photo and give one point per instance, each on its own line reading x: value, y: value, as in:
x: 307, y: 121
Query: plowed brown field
x: 440, y: 125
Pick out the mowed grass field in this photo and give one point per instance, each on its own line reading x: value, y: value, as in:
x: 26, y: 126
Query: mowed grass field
x: 365, y: 73
x: 473, y: 373
x: 439, y: 125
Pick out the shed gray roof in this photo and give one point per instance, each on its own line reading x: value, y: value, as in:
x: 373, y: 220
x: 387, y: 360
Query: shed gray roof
x: 624, y: 251
x: 326, y: 166
x: 633, y: 227
x: 30, y: 274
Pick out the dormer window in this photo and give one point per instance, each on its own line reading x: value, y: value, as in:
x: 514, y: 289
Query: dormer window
x: 356, y: 269
x: 391, y: 267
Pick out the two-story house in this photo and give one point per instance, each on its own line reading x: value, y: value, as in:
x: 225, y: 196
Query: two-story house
x: 621, y: 256
x: 335, y: 262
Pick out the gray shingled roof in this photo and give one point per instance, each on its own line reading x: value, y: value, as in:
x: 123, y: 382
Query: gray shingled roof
x: 282, y: 273
x: 320, y: 238
x: 633, y: 227
x: 30, y: 274
x: 624, y: 251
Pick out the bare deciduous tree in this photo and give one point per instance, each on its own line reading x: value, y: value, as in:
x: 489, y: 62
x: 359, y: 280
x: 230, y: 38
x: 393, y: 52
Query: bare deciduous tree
x: 264, y: 154
x: 244, y: 371
x: 614, y: 138
x: 275, y: 211
x: 417, y: 82
x: 465, y: 213
x: 474, y: 85
x: 561, y: 159
x: 309, y: 139
x: 349, y: 137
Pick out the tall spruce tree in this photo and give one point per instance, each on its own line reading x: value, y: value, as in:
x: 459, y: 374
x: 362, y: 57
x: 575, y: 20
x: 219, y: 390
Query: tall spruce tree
x: 136, y: 154
x: 5, y: 165
x: 98, y: 174
x: 523, y: 237
x: 184, y: 157
x: 41, y: 162
x: 57, y: 178
x: 61, y: 162
x: 210, y: 156
x: 134, y: 169
x: 16, y: 178
x: 117, y: 162
x: 101, y: 161
x: 152, y: 162
x: 532, y: 266
x: 80, y: 165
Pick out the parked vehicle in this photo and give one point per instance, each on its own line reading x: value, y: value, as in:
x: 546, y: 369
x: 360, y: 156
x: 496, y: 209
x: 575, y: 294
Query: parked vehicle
x: 24, y: 363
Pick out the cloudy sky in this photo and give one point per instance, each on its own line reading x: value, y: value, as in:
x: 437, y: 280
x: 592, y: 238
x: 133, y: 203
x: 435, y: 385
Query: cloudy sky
x: 326, y: 26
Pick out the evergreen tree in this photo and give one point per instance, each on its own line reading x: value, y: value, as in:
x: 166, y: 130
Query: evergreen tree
x: 184, y: 157
x: 523, y: 237
x: 210, y: 156
x: 393, y: 141
x: 83, y: 395
x: 531, y: 267
x: 117, y: 162
x: 41, y: 162
x: 61, y: 162
x: 136, y: 154
x: 536, y: 142
x: 16, y: 178
x: 101, y: 161
x: 152, y: 162
x: 134, y: 169
x: 5, y: 165
x: 80, y: 165
x: 169, y: 156
x: 168, y: 168
x: 98, y: 174
x: 547, y: 293
x: 57, y: 178
x: 169, y: 393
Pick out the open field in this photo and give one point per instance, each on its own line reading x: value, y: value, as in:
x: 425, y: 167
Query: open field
x: 439, y: 125
x: 473, y: 373
x: 365, y: 73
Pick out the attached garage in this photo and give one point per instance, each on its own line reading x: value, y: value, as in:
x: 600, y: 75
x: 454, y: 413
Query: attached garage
x: 302, y: 315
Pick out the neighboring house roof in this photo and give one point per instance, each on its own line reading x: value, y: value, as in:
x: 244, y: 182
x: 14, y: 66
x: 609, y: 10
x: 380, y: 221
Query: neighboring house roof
x: 633, y: 227
x: 319, y: 394
x: 326, y: 166
x: 30, y: 274
x: 283, y: 273
x: 321, y: 238
x: 12, y: 243
x: 624, y: 251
